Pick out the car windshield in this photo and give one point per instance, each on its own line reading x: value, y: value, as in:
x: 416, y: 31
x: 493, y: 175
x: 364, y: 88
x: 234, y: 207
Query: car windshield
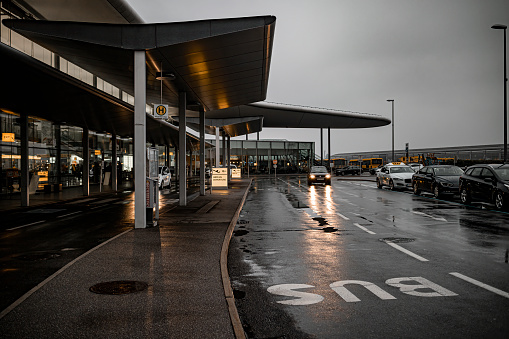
x: 448, y: 171
x: 503, y: 173
x: 402, y: 169
x: 319, y: 169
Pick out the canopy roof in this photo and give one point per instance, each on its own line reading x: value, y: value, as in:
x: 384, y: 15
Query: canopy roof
x: 218, y: 63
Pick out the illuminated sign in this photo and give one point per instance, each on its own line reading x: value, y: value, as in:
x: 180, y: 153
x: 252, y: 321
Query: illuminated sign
x: 97, y: 152
x: 161, y: 111
x: 8, y: 137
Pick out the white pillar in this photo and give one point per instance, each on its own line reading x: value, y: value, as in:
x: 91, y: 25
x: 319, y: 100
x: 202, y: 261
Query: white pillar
x: 217, y: 147
x: 86, y: 163
x: 140, y: 139
x: 114, y: 178
x: 202, y: 151
x: 182, y: 150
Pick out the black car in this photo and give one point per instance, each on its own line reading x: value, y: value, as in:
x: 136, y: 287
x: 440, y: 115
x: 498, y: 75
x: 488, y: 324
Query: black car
x: 437, y: 179
x: 348, y: 170
x: 487, y: 183
x: 319, y: 174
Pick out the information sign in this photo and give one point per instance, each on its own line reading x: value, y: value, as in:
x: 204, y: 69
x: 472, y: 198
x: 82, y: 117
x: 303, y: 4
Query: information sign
x: 8, y: 137
x: 236, y: 173
x: 161, y: 111
x: 219, y: 177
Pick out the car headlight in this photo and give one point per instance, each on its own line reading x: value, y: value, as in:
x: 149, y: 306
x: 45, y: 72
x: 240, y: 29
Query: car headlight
x: 311, y: 176
x: 327, y: 176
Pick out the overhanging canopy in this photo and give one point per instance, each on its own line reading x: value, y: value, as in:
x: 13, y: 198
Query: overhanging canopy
x: 218, y: 63
x: 37, y: 89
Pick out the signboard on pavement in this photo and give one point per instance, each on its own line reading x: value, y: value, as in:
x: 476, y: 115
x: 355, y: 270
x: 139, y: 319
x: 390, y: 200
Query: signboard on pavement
x: 236, y: 173
x: 219, y: 177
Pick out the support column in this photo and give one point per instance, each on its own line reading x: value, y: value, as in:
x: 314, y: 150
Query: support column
x: 176, y: 164
x: 24, y: 184
x: 229, y: 175
x: 223, y: 148
x: 140, y: 140
x: 182, y: 150
x: 114, y: 179
x: 217, y: 147
x: 321, y: 146
x: 85, y: 177
x: 58, y: 161
x: 202, y: 151
x: 328, y: 145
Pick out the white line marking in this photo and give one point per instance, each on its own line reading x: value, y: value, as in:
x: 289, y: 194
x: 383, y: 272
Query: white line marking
x: 480, y: 284
x: 66, y: 215
x: 34, y: 223
x: 51, y: 277
x: 81, y: 201
x: 103, y: 201
x: 418, y: 257
x: 429, y: 216
x: 342, y: 216
x: 364, y: 228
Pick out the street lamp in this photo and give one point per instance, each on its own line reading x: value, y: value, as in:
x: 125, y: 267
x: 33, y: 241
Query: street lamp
x: 504, y: 27
x: 392, y: 123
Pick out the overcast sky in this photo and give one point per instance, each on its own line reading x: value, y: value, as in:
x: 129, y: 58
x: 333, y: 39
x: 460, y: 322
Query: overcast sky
x: 438, y: 59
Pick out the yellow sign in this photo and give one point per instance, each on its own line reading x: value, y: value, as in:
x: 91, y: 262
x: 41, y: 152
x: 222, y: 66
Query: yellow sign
x: 97, y: 152
x: 8, y: 137
x: 161, y: 111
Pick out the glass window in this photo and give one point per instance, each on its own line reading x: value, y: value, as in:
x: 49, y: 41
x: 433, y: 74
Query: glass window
x: 476, y: 172
x: 487, y: 173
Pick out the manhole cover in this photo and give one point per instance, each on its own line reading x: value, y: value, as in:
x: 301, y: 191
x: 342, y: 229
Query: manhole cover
x: 242, y: 222
x: 397, y: 240
x: 37, y: 256
x: 119, y: 287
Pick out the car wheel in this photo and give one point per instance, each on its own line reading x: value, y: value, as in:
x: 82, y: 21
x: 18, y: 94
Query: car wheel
x: 342, y: 173
x: 379, y: 183
x: 417, y: 191
x: 391, y: 185
x: 465, y: 196
x: 436, y: 191
x: 499, y: 201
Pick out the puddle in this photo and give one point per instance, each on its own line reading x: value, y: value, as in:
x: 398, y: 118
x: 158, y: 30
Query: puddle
x: 321, y: 221
x: 329, y: 229
x: 240, y: 233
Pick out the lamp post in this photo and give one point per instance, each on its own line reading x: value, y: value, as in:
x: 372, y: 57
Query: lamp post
x: 392, y: 123
x: 504, y: 27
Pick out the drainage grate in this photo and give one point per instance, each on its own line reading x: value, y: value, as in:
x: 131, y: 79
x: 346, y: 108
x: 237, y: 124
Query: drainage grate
x: 36, y: 256
x: 242, y: 222
x: 119, y: 287
x: 396, y: 240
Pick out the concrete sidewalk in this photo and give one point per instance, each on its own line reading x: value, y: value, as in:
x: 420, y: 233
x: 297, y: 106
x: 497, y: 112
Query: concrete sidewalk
x: 182, y: 262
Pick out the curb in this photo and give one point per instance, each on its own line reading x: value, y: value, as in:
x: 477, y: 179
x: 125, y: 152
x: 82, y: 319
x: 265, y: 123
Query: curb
x: 228, y: 292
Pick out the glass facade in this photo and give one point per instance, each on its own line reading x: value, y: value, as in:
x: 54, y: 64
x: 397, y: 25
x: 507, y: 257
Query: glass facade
x: 258, y: 156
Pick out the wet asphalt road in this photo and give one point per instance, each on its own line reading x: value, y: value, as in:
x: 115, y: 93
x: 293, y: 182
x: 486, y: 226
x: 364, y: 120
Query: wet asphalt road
x: 353, y: 261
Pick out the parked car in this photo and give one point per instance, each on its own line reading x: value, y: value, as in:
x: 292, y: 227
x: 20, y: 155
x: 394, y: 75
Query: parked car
x: 319, y: 174
x: 348, y: 170
x: 487, y: 183
x: 416, y: 166
x: 164, y: 177
x: 395, y: 176
x: 374, y: 171
x: 437, y: 179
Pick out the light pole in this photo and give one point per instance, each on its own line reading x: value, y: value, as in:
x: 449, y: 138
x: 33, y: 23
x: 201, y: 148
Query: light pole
x: 504, y: 27
x: 392, y: 123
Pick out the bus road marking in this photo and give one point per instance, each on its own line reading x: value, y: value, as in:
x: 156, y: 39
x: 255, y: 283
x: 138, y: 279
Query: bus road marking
x: 34, y: 223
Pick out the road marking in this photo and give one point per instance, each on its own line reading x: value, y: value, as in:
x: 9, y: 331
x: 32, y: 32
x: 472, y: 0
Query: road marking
x: 81, y: 201
x: 103, y: 201
x: 66, y: 215
x: 429, y: 216
x: 342, y: 216
x: 302, y: 298
x: 34, y: 223
x: 311, y: 213
x: 399, y: 248
x: 364, y: 228
x: 480, y: 284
